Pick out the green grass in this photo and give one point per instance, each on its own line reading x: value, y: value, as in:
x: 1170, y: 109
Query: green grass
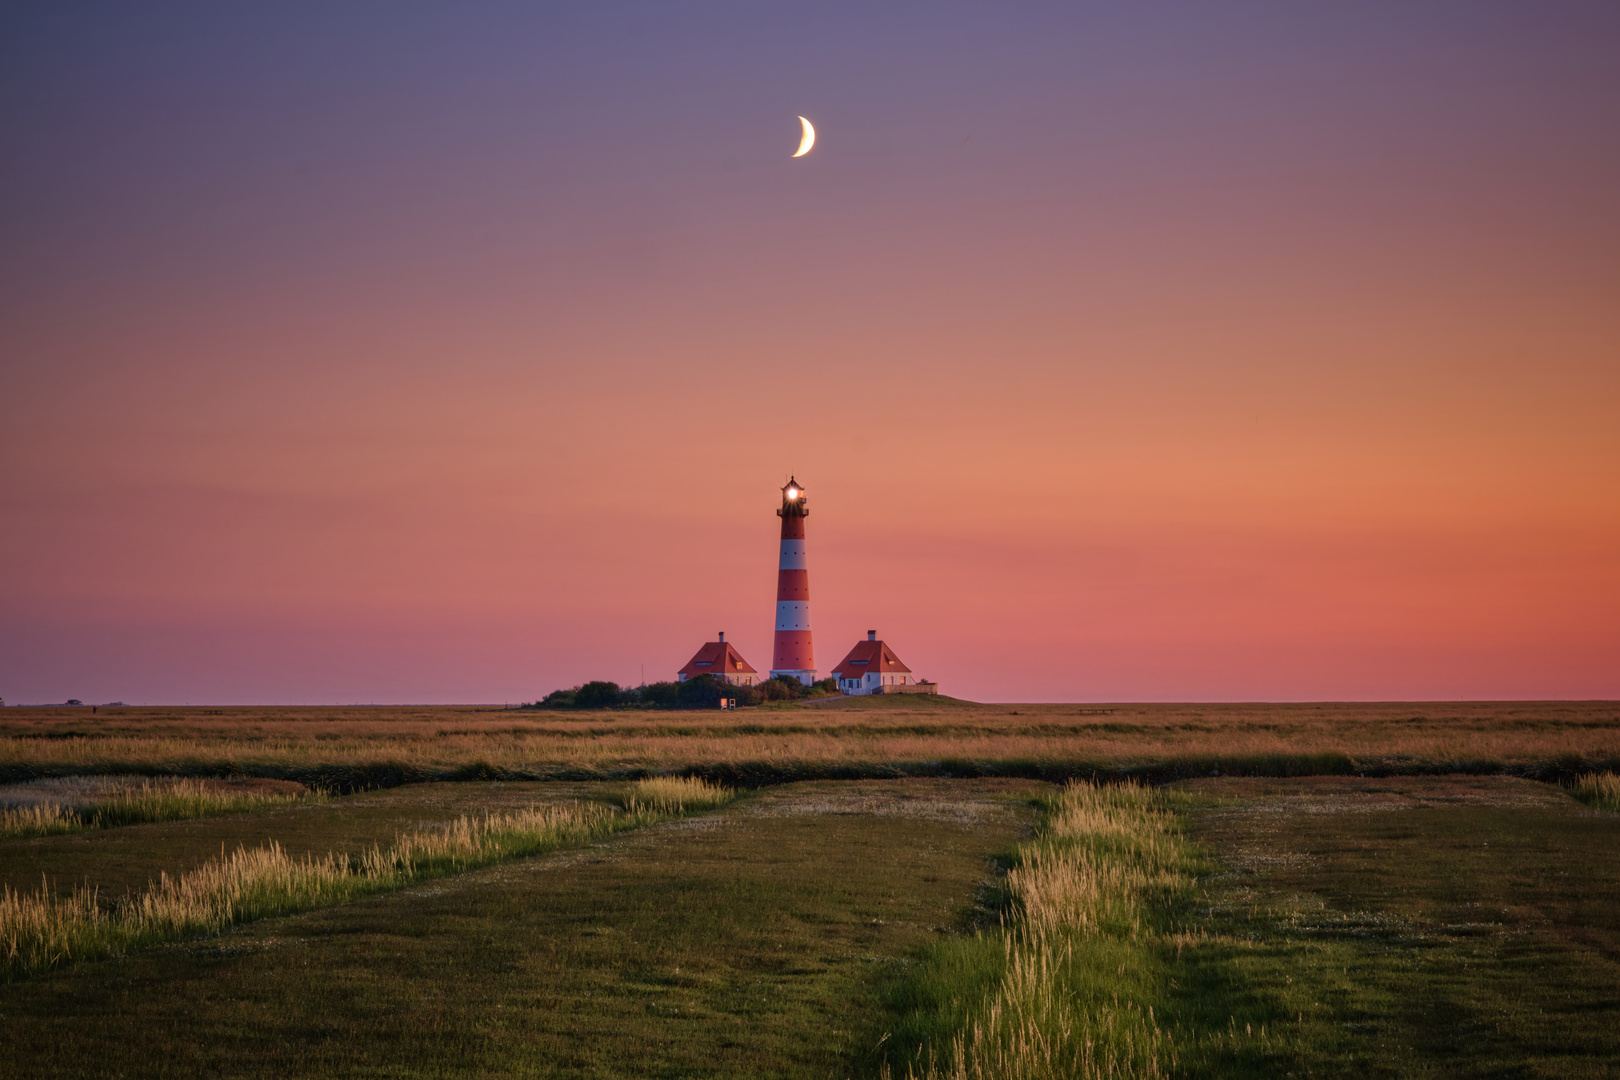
x: 40, y: 930
x: 748, y: 943
x: 1067, y: 983
x: 1330, y: 926
x: 1442, y: 929
x: 128, y: 860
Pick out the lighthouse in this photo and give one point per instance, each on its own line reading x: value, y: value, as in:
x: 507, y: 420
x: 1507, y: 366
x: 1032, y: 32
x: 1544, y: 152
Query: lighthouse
x: 793, y: 657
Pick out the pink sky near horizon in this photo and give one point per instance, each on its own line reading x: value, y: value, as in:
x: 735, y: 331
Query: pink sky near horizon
x: 1262, y: 360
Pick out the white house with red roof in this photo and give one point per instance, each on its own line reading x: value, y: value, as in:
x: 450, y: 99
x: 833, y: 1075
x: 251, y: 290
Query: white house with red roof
x: 723, y: 661
x: 872, y: 668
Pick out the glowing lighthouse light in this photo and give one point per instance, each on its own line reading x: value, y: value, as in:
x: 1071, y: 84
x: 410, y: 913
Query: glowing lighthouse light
x: 793, y: 656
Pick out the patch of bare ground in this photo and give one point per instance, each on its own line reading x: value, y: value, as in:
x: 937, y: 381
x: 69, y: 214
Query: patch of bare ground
x: 929, y: 799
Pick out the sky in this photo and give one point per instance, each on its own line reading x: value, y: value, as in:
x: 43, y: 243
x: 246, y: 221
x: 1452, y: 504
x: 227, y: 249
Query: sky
x: 1152, y: 351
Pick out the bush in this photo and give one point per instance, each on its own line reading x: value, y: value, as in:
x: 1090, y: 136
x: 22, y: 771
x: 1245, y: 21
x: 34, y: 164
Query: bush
x: 784, y: 689
x: 658, y: 695
x: 705, y: 692
x: 596, y: 695
x: 699, y: 692
x: 778, y: 689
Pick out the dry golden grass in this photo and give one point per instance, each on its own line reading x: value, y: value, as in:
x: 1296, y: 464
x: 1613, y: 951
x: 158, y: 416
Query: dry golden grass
x: 1599, y: 789
x: 675, y: 795
x: 46, y: 819
x: 1080, y: 896
x: 343, y: 748
x: 97, y: 802
x: 41, y: 929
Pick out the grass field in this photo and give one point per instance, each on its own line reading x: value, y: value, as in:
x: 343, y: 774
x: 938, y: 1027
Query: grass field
x: 347, y: 748
x: 72, y: 804
x: 1406, y: 923
x: 45, y: 928
x: 1456, y: 927
x: 750, y: 942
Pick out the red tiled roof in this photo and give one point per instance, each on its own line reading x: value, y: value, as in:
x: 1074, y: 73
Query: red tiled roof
x: 717, y: 658
x: 870, y: 656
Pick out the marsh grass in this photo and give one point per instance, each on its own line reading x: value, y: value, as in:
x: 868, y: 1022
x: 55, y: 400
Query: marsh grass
x: 674, y: 795
x: 1067, y: 988
x: 45, y: 819
x: 42, y: 929
x: 1450, y: 932
x: 348, y: 749
x: 108, y: 803
x: 1601, y: 790
x: 750, y: 951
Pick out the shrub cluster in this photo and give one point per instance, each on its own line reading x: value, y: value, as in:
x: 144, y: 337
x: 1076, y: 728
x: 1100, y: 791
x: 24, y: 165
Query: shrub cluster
x: 701, y: 692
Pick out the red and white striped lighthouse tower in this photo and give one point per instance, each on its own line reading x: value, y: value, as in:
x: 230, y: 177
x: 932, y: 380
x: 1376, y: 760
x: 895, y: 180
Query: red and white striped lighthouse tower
x: 793, y: 657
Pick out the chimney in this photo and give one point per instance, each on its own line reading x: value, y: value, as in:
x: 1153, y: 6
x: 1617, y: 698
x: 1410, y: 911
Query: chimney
x: 871, y: 635
x: 722, y: 637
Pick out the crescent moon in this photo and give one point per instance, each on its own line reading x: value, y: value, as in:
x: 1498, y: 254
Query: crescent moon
x: 808, y: 140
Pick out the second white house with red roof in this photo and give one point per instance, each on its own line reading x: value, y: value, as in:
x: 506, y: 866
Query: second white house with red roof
x: 872, y: 668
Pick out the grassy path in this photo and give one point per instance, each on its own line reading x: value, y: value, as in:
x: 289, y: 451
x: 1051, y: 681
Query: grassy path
x: 1321, y: 927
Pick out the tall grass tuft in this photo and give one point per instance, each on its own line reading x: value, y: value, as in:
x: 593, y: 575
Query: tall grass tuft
x: 40, y: 930
x: 1071, y: 992
x: 45, y: 819
x: 1601, y: 790
x: 675, y: 795
x: 152, y: 800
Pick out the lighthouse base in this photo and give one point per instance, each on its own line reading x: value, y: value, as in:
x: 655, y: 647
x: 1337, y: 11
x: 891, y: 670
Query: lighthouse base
x: 805, y: 677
